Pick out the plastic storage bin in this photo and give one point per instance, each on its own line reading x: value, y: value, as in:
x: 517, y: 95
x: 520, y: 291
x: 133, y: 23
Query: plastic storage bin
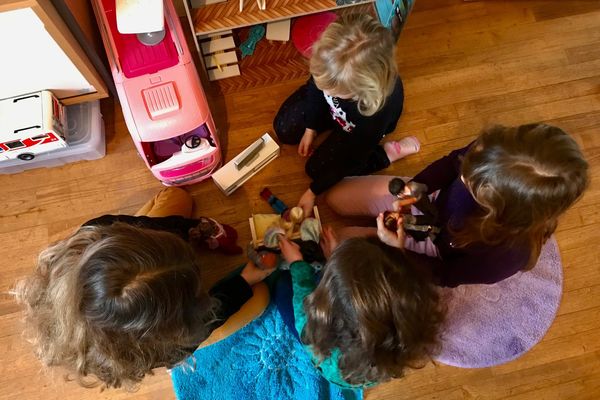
x: 84, y: 136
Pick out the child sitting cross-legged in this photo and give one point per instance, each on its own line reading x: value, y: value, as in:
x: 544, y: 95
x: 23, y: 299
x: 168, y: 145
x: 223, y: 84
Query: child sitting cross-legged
x: 371, y: 315
x: 124, y: 295
x: 354, y: 93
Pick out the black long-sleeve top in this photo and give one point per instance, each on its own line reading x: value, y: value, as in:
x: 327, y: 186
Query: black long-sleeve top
x: 232, y: 292
x: 359, y: 134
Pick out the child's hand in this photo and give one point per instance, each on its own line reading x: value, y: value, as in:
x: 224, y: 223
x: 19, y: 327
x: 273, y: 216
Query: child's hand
x: 307, y: 202
x: 305, y: 146
x: 264, y: 260
x: 329, y: 241
x: 394, y: 239
x: 252, y: 274
x: 289, y: 250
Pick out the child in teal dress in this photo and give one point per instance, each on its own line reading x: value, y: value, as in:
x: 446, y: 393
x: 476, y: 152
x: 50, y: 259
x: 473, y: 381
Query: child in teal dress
x: 370, y: 316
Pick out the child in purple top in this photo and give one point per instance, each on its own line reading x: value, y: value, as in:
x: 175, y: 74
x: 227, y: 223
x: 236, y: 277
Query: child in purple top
x: 499, y: 200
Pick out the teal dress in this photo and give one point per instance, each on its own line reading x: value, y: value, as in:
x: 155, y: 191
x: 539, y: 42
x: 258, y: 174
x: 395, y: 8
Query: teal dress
x: 303, y: 284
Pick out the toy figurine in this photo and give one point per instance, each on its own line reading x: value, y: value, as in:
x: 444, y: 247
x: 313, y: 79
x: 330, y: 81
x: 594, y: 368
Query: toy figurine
x: 307, y: 236
x: 419, y: 227
x: 216, y: 236
x: 279, y: 206
x: 263, y: 258
x: 286, y: 226
x: 290, y: 220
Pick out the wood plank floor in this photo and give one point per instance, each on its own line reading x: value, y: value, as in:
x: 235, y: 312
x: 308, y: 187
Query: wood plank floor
x: 464, y: 64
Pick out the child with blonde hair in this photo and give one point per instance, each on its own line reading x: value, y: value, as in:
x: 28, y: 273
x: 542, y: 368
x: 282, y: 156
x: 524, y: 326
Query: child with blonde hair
x: 354, y: 92
x: 124, y: 295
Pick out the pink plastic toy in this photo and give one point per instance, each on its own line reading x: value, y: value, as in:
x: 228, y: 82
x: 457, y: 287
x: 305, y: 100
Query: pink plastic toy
x: 308, y: 29
x: 163, y: 103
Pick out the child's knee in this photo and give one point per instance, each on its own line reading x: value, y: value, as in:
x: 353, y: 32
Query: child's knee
x: 177, y: 194
x: 172, y: 201
x: 312, y: 167
x: 334, y: 198
x: 287, y: 131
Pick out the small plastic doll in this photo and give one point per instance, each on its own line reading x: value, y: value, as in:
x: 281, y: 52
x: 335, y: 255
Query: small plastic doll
x: 419, y: 227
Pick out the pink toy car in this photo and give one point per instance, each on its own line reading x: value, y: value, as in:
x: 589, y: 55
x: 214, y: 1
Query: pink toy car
x: 163, y: 103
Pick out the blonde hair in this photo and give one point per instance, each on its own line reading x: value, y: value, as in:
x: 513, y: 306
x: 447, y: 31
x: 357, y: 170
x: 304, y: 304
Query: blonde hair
x: 524, y: 178
x: 356, y: 56
x: 110, y: 303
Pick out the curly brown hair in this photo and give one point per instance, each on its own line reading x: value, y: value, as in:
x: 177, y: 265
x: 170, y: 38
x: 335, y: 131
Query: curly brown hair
x: 379, y: 311
x: 110, y: 303
x: 523, y: 178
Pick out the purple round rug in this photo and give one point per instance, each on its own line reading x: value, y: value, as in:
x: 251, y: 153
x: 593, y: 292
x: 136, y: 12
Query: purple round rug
x: 489, y: 325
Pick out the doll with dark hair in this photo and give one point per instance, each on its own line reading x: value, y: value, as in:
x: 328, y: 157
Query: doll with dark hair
x: 419, y: 227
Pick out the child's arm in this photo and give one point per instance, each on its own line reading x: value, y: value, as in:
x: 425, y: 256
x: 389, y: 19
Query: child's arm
x: 317, y: 109
x: 232, y: 293
x: 235, y: 290
x: 442, y: 172
x: 478, y: 265
x: 303, y: 284
x: 303, y: 280
x: 174, y: 224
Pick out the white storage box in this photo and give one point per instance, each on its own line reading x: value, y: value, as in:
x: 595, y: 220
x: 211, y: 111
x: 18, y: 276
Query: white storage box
x: 30, y: 125
x: 245, y: 165
x: 84, y: 135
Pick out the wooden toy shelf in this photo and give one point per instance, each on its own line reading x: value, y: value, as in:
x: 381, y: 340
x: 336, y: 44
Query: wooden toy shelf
x: 218, y: 17
x: 272, y: 61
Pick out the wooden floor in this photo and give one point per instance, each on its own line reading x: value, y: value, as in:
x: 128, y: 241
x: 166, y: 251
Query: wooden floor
x: 464, y: 64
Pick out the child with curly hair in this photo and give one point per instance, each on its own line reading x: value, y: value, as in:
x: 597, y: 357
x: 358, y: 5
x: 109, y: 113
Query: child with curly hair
x: 124, y: 295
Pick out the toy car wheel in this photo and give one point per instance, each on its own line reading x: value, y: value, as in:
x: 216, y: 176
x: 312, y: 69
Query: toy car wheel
x: 26, y: 156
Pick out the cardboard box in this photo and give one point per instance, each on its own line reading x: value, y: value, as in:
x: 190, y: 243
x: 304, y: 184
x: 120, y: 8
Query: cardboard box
x: 231, y: 176
x: 30, y: 125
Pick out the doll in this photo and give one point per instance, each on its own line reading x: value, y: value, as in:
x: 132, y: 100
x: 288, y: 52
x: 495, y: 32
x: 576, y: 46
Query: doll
x: 414, y: 194
x: 216, y: 236
x: 267, y: 255
x: 291, y: 223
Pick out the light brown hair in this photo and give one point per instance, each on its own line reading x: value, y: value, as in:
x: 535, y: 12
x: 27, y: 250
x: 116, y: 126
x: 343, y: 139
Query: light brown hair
x: 110, y: 303
x: 355, y: 56
x: 374, y: 307
x: 523, y: 178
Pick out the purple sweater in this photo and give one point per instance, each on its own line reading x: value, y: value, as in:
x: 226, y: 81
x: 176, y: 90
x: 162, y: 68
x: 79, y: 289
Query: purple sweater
x: 476, y: 263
